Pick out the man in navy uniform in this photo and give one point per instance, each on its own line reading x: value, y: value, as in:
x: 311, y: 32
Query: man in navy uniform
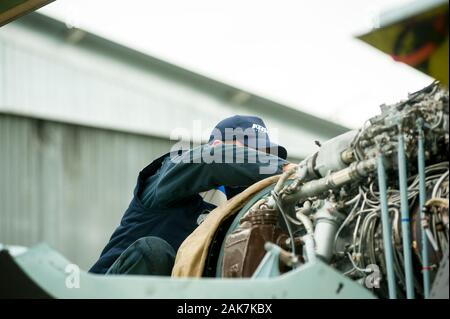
x: 176, y: 192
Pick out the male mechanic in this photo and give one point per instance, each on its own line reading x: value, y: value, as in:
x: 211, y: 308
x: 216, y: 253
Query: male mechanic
x: 173, y: 195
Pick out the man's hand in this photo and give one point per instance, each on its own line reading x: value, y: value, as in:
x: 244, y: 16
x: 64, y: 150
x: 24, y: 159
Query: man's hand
x: 289, y: 166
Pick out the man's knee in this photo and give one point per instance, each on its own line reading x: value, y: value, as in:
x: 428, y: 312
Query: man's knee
x: 146, y: 256
x: 152, y: 247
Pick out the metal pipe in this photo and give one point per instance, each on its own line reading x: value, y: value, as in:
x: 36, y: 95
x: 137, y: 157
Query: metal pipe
x: 327, y: 222
x: 305, y: 220
x: 337, y: 179
x: 422, y: 201
x: 386, y: 223
x: 404, y: 206
x: 283, y: 178
x: 310, y: 247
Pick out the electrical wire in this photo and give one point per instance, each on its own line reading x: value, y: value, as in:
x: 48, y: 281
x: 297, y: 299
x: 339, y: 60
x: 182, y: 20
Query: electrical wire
x: 286, y: 221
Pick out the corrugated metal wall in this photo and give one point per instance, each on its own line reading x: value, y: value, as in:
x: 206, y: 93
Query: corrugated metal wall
x: 67, y: 185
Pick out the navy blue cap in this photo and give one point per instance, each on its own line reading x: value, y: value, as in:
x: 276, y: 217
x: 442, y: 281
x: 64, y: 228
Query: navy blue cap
x: 250, y: 131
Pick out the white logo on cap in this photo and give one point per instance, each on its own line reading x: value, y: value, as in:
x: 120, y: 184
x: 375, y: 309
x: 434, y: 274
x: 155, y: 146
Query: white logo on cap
x: 259, y: 128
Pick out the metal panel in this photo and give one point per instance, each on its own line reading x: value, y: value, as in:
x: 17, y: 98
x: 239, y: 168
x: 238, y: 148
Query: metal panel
x: 67, y: 185
x: 13, y: 9
x: 48, y: 270
x: 440, y: 284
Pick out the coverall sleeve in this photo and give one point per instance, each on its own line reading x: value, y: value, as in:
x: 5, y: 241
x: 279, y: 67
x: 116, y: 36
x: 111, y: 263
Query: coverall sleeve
x: 196, y: 171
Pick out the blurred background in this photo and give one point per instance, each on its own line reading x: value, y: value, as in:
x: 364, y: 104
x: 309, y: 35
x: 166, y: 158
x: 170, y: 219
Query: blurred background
x: 92, y: 91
